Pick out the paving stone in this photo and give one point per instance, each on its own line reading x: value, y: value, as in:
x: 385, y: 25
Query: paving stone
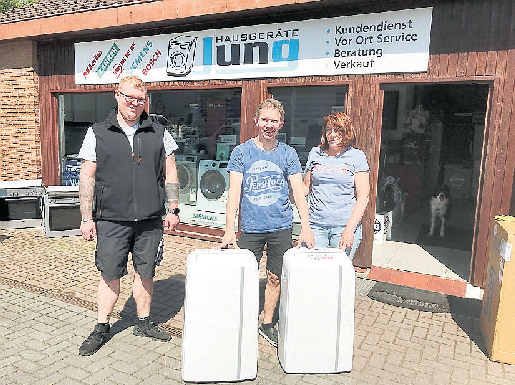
x: 47, y: 303
x: 53, y: 378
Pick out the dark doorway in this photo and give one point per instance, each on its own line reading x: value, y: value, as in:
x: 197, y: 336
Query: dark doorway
x: 432, y: 141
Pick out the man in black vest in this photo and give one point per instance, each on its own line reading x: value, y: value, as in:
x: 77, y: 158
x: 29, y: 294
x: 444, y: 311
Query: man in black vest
x: 128, y: 169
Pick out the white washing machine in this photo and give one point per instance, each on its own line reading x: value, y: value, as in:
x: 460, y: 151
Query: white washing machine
x: 187, y: 173
x: 213, y: 186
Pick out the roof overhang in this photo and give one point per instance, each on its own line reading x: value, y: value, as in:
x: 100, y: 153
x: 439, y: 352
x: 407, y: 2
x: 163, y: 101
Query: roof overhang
x: 166, y: 16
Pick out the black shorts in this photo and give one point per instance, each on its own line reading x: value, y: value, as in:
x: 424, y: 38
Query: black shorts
x: 115, y: 240
x: 277, y: 243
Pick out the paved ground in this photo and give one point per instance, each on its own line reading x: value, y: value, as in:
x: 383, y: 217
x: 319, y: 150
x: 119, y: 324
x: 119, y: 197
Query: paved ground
x: 47, y: 302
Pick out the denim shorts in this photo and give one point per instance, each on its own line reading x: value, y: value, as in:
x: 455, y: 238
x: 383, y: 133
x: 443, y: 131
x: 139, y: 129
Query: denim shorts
x: 115, y: 240
x: 328, y: 236
x: 277, y: 243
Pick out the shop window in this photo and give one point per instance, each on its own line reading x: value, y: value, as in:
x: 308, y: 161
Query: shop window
x: 204, y: 123
x: 206, y: 126
x: 304, y: 109
x: 77, y: 112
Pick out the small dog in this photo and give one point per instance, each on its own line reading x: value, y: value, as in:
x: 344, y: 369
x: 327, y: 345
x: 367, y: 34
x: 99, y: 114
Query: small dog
x: 439, y: 205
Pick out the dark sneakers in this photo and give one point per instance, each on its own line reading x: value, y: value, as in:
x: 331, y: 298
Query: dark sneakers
x: 101, y: 334
x: 147, y: 328
x: 96, y: 340
x: 269, y: 333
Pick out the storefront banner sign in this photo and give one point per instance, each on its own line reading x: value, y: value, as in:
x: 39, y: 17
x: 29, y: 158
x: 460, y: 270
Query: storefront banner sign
x: 388, y: 42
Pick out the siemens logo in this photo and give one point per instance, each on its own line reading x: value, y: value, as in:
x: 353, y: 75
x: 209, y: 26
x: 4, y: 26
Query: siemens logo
x: 205, y: 217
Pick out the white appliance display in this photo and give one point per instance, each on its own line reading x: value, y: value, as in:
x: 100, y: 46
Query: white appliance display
x: 316, y: 311
x: 187, y: 173
x: 220, y: 339
x: 212, y: 193
x: 213, y: 185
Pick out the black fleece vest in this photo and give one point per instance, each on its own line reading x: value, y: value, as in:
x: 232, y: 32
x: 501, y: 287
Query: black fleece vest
x: 129, y: 185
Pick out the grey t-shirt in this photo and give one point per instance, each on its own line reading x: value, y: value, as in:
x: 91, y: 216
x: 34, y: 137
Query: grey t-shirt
x: 333, y: 197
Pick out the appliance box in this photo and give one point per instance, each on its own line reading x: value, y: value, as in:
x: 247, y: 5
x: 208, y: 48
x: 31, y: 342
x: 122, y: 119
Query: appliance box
x: 220, y: 334
x: 497, y: 311
x: 316, y: 311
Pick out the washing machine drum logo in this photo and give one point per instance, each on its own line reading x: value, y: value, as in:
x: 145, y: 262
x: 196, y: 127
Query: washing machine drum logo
x: 184, y: 177
x: 212, y: 184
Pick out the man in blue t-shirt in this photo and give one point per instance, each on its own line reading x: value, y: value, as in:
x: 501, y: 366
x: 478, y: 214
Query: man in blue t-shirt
x: 259, y: 172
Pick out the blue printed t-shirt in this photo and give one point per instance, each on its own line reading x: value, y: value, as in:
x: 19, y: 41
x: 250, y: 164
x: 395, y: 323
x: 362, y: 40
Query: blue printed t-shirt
x: 332, y: 196
x: 265, y: 205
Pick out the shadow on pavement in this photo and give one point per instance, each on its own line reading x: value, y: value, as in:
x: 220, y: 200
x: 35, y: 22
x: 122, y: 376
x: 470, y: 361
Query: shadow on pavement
x: 167, y: 301
x: 464, y: 311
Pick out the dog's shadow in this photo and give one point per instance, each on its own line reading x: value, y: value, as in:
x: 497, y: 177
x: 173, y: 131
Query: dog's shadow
x: 167, y: 301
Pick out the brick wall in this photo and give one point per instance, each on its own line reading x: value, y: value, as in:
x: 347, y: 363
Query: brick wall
x: 20, y: 145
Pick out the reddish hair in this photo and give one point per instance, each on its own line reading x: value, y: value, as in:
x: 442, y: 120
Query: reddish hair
x: 342, y: 121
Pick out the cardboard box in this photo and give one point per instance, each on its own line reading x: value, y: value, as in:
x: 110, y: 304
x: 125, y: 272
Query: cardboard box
x: 316, y: 311
x: 220, y: 338
x: 497, y: 317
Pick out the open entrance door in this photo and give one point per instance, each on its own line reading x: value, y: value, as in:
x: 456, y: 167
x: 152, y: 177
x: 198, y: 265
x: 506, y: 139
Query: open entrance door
x: 431, y: 153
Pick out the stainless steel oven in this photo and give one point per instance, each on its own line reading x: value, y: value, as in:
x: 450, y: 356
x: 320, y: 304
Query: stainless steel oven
x: 61, y: 211
x: 20, y: 204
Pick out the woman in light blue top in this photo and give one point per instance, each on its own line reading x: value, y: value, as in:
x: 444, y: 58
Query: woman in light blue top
x: 337, y: 181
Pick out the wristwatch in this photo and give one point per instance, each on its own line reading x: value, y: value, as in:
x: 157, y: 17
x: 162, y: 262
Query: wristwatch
x: 175, y: 211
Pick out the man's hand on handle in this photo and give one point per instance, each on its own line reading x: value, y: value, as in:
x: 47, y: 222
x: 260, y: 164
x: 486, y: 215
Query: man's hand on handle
x: 228, y: 239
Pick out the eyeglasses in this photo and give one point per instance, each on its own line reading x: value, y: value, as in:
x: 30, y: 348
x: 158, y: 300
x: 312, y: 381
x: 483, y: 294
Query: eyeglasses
x: 273, y: 122
x: 132, y: 99
x: 335, y: 131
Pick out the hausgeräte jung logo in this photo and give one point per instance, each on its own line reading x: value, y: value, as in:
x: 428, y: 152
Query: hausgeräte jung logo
x: 181, y: 54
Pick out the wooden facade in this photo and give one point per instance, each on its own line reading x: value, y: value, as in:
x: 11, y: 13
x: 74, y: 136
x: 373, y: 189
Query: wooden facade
x: 471, y: 41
